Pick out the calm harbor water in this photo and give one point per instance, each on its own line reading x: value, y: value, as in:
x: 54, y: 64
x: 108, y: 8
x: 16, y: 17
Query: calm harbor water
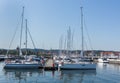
x: 105, y: 73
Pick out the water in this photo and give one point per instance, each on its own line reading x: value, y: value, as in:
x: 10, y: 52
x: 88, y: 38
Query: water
x: 105, y: 73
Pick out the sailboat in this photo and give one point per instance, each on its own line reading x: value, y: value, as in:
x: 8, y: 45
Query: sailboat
x: 22, y: 64
x: 78, y: 65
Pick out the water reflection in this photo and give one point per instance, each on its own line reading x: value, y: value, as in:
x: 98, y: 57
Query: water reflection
x: 23, y: 75
x: 36, y: 76
x: 74, y: 72
x: 104, y: 73
x: 77, y: 76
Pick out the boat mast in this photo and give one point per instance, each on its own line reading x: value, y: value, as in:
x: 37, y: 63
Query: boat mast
x: 82, y: 50
x: 69, y: 42
x: 26, y: 38
x: 60, y: 45
x: 21, y: 31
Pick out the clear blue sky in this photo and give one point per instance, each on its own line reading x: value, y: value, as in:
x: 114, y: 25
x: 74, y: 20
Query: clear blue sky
x: 49, y: 19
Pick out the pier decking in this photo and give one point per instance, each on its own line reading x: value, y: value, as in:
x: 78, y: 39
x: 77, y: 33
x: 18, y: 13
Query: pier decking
x: 49, y: 65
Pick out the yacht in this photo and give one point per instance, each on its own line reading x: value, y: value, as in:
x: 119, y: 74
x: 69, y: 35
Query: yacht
x: 25, y: 63
x: 78, y: 64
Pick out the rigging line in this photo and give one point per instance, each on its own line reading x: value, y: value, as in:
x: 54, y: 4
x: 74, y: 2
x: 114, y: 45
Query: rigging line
x: 85, y: 44
x: 13, y: 38
x: 31, y: 38
x: 89, y: 39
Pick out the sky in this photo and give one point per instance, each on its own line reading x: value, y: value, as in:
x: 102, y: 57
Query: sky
x: 48, y: 20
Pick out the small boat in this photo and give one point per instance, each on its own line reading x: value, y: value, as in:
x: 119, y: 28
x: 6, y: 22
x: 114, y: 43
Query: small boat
x: 102, y: 60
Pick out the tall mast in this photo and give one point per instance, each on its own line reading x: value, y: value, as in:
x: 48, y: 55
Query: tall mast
x: 26, y: 37
x: 65, y: 46
x: 60, y: 45
x: 21, y: 30
x: 82, y: 50
x: 69, y: 41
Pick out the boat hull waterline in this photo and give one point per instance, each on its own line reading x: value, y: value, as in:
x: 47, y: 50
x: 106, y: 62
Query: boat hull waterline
x: 78, y: 67
x: 22, y: 66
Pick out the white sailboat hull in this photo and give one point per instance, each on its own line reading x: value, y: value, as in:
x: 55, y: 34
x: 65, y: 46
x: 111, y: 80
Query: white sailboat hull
x: 22, y: 66
x: 77, y: 66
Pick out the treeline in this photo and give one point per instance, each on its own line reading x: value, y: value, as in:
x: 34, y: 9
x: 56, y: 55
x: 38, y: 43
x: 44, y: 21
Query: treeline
x: 28, y: 51
x: 43, y: 52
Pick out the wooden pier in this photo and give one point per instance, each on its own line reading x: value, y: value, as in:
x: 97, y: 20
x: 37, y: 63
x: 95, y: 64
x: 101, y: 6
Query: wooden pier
x: 49, y: 65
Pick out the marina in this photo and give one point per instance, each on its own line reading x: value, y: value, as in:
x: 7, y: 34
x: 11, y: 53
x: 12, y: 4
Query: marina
x: 59, y: 41
x: 103, y: 73
x: 50, y: 64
